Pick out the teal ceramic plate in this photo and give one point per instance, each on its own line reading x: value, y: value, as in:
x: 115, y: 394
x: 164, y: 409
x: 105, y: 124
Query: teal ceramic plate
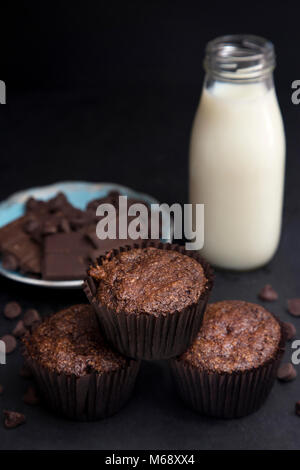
x: 79, y: 194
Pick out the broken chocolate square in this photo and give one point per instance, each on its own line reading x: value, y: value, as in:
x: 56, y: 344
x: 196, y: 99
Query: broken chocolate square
x: 65, y: 256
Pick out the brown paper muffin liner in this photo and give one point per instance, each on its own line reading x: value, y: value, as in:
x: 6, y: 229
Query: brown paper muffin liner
x: 226, y: 395
x: 146, y: 336
x: 86, y: 398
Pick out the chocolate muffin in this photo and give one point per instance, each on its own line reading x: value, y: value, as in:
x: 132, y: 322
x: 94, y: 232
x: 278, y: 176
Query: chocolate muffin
x: 150, y: 298
x: 77, y: 372
x: 229, y: 369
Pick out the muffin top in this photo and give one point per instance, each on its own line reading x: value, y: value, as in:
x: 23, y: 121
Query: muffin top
x: 149, y: 280
x: 235, y: 336
x: 70, y: 342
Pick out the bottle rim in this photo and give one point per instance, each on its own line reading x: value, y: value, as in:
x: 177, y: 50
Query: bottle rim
x: 239, y: 57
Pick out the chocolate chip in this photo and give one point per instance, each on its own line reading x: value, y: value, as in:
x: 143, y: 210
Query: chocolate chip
x: 25, y: 372
x: 12, y: 310
x: 294, y: 307
x: 10, y: 343
x: 12, y: 419
x: 10, y: 262
x: 290, y: 330
x: 268, y: 294
x: 1, y: 389
x: 31, y: 316
x: 286, y: 372
x: 31, y: 396
x: 19, y: 329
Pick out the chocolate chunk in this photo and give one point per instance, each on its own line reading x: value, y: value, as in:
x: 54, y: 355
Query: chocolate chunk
x: 102, y: 246
x: 49, y: 227
x: 65, y: 243
x: 36, y: 207
x: 290, y: 330
x: 93, y: 218
x: 65, y: 256
x: 25, y: 372
x: 92, y: 237
x: 80, y: 220
x: 268, y: 293
x: 16, y: 242
x: 19, y: 329
x: 31, y: 316
x: 31, y: 396
x: 10, y: 229
x: 10, y: 262
x: 10, y: 343
x: 1, y: 389
x: 32, y: 225
x: 286, y: 372
x: 60, y: 267
x: 65, y: 226
x: 294, y: 306
x: 12, y: 419
x: 32, y: 204
x: 58, y: 202
x: 12, y: 310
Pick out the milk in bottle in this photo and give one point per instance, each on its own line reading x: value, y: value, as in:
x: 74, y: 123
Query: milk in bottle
x: 237, y: 154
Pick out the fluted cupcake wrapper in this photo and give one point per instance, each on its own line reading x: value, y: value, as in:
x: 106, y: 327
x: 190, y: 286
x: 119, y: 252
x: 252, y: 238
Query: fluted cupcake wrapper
x: 87, y: 398
x: 146, y: 336
x: 226, y: 395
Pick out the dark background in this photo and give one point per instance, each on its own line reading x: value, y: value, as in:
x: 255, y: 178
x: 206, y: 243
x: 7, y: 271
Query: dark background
x: 106, y: 91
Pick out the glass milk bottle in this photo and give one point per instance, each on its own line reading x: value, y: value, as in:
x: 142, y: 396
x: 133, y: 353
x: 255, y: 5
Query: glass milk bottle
x: 237, y: 153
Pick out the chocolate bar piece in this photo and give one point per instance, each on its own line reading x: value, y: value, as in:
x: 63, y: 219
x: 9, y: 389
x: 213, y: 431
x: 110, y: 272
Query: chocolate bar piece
x: 18, y: 244
x: 65, y: 256
x: 60, y: 267
x: 8, y: 230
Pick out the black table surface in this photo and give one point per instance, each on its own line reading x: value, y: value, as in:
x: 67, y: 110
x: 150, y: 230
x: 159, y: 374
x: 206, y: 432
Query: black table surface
x: 138, y: 136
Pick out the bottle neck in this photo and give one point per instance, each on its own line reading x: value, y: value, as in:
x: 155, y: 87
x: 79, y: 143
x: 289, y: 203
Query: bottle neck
x: 265, y: 82
x: 239, y: 59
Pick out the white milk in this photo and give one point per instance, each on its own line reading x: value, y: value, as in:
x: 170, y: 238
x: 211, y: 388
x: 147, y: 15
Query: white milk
x: 237, y: 157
